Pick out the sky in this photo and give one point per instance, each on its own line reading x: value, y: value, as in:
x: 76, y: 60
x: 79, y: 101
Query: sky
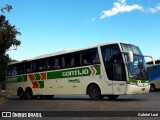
x: 49, y: 26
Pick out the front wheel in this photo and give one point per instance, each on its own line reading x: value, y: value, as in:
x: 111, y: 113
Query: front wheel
x: 152, y: 88
x: 94, y: 92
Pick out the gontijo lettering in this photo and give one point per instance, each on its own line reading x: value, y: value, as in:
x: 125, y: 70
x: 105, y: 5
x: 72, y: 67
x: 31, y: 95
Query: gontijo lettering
x: 75, y: 72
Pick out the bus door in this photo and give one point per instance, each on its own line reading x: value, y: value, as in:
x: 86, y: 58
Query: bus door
x: 119, y: 76
x: 115, y: 68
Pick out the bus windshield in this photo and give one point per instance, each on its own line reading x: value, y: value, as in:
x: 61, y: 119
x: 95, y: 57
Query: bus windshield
x: 137, y: 69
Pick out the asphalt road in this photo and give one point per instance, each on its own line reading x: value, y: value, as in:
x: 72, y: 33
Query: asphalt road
x: 143, y: 102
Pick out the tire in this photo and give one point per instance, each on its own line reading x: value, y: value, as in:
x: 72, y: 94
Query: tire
x: 29, y: 94
x: 49, y: 96
x: 152, y: 88
x: 41, y: 96
x: 112, y: 97
x: 94, y: 92
x: 21, y: 93
x: 35, y: 97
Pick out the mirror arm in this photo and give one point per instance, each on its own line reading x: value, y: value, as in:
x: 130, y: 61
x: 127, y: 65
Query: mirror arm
x: 151, y: 58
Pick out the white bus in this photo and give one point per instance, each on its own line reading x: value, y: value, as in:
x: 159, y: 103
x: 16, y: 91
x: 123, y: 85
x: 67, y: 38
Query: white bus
x: 110, y: 70
x: 154, y: 75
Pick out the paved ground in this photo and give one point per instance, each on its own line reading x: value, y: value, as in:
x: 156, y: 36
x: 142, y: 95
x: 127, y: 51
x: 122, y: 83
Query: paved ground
x: 143, y: 102
x: 2, y: 93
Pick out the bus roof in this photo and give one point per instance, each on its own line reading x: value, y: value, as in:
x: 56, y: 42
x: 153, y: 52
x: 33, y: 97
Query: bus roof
x: 64, y: 52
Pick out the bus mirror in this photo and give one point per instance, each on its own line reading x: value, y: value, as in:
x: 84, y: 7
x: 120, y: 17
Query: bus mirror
x: 151, y: 58
x: 130, y: 54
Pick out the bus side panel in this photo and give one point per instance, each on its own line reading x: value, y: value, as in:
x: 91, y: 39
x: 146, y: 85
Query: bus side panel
x: 154, y: 75
x: 60, y: 86
x: 48, y: 87
x: 85, y: 81
x: 74, y: 85
x: 11, y: 89
x: 156, y: 82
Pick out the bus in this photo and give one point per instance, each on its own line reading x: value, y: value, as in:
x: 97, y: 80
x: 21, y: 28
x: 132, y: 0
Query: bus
x: 154, y: 75
x: 110, y: 69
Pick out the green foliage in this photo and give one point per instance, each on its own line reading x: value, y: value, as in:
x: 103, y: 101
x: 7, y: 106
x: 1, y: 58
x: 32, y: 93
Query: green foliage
x: 8, y: 34
x: 8, y: 8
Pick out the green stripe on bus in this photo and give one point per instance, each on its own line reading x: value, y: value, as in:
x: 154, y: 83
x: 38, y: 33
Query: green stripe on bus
x: 74, y: 72
x: 97, y: 67
x: 133, y: 80
x: 37, y: 76
x: 41, y: 84
x: 24, y: 77
x: 21, y: 78
x: 85, y: 71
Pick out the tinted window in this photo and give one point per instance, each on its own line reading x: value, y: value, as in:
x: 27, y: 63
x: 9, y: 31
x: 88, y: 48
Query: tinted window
x: 28, y: 67
x: 113, y: 62
x: 89, y: 57
x: 39, y: 65
x: 69, y: 60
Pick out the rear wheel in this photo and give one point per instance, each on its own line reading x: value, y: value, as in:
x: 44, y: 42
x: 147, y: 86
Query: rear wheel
x: 28, y: 93
x: 21, y: 93
x: 94, y: 92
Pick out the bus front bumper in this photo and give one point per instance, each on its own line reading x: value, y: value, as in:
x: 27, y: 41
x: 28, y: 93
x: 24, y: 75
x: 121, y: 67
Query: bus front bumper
x: 134, y: 89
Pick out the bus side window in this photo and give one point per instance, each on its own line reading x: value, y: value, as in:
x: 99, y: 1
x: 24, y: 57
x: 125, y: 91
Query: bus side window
x: 28, y: 67
x: 68, y: 61
x: 48, y: 64
x: 95, y: 57
x: 86, y: 62
x: 12, y: 70
x: 77, y: 59
x: 56, y: 65
x: 21, y: 69
x: 86, y: 58
x: 90, y: 56
x: 72, y: 62
x: 9, y: 71
x: 40, y: 65
x: 95, y: 60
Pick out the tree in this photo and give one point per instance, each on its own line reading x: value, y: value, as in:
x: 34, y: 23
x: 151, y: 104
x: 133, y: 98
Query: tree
x: 8, y: 8
x: 8, y: 34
